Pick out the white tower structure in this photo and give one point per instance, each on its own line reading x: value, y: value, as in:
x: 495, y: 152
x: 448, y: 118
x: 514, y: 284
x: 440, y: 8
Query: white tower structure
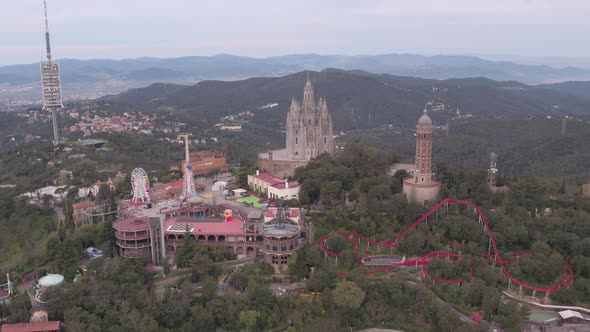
x: 188, y: 182
x: 50, y: 81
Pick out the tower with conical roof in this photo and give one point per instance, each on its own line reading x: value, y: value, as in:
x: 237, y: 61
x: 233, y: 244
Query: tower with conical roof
x: 423, y: 173
x: 309, y: 126
x: 421, y: 187
x: 51, y: 84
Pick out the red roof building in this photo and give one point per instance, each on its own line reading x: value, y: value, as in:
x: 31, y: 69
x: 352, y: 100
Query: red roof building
x: 273, y: 187
x: 80, y: 209
x: 292, y: 213
x: 204, y: 162
x: 31, y: 327
x: 134, y: 235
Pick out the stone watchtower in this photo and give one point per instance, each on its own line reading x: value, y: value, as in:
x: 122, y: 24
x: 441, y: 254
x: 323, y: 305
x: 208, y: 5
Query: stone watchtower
x: 421, y: 187
x: 423, y: 173
x: 309, y: 127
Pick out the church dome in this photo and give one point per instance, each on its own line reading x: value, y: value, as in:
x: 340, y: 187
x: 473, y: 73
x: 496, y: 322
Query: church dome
x: 425, y: 120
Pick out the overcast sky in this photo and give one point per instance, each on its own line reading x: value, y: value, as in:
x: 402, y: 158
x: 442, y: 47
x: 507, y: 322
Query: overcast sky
x: 85, y: 29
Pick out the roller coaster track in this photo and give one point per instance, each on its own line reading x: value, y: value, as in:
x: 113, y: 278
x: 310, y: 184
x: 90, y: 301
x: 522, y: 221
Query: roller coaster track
x: 495, y: 258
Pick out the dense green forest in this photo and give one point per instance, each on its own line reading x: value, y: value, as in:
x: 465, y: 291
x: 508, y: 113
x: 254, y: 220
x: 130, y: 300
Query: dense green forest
x: 533, y: 147
x: 535, y: 215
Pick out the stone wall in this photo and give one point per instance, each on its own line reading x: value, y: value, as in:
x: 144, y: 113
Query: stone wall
x: 421, y: 192
x: 280, y: 168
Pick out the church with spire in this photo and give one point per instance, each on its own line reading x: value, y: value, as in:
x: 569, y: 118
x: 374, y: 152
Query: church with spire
x: 309, y: 126
x: 309, y: 131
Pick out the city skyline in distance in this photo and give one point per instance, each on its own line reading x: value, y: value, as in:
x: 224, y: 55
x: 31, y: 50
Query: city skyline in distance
x: 115, y: 30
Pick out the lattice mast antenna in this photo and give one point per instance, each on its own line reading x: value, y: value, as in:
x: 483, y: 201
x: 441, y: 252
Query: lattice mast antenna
x: 47, y: 40
x: 188, y: 183
x: 563, y: 125
x: 51, y: 84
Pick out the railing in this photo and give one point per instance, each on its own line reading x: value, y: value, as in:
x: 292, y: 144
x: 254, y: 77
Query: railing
x: 132, y: 236
x: 271, y: 251
x: 133, y: 245
x: 142, y: 229
x: 133, y: 253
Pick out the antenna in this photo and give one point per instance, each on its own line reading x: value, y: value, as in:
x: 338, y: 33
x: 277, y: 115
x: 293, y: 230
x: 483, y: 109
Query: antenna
x: 51, y: 85
x: 47, y: 42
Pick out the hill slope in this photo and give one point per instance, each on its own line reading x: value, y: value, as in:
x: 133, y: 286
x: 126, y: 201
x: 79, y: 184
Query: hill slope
x: 576, y: 88
x: 357, y: 99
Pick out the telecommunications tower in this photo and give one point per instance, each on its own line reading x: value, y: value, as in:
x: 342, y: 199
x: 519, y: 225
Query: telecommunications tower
x: 51, y: 84
x: 188, y: 182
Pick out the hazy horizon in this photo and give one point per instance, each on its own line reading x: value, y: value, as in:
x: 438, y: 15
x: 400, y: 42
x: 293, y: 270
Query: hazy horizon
x: 112, y: 29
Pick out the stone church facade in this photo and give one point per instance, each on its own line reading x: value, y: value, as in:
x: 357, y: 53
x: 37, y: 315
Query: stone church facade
x: 309, y: 130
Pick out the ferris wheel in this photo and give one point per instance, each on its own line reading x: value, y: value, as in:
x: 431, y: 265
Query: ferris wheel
x: 140, y: 186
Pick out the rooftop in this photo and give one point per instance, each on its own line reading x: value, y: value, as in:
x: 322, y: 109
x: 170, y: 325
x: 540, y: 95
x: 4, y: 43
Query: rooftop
x: 203, y: 155
x: 292, y: 184
x: 51, y: 280
x: 271, y: 212
x: 174, y: 184
x: 31, y: 327
x: 281, y: 225
x: 567, y: 314
x: 280, y: 228
x: 270, y: 179
x: 205, y: 226
x: 132, y: 224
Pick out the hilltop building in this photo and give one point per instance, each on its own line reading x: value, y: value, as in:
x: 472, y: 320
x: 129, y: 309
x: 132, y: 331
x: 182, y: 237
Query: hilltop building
x: 309, y: 130
x: 421, y: 187
x: 273, y: 187
x: 204, y: 162
x: 280, y: 238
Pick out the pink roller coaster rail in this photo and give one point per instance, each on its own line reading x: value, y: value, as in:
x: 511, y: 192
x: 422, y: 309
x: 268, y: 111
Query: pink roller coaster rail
x: 496, y: 258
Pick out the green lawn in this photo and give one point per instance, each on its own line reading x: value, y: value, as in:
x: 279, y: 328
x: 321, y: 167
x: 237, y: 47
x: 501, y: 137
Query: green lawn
x: 250, y: 200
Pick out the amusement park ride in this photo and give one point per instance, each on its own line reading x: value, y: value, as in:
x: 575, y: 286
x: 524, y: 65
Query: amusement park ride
x: 140, y: 186
x: 494, y: 258
x: 188, y: 180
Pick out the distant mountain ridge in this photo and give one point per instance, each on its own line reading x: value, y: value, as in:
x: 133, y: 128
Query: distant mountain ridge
x: 357, y: 99
x: 92, y: 78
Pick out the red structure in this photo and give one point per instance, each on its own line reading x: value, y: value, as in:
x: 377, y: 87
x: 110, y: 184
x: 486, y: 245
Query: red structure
x: 136, y: 235
x: 423, y: 149
x: 495, y: 258
x: 421, y: 187
x: 31, y: 327
x: 133, y: 237
x: 204, y: 162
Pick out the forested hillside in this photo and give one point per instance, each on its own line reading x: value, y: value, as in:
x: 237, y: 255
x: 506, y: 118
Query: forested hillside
x: 524, y: 147
x: 356, y: 100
